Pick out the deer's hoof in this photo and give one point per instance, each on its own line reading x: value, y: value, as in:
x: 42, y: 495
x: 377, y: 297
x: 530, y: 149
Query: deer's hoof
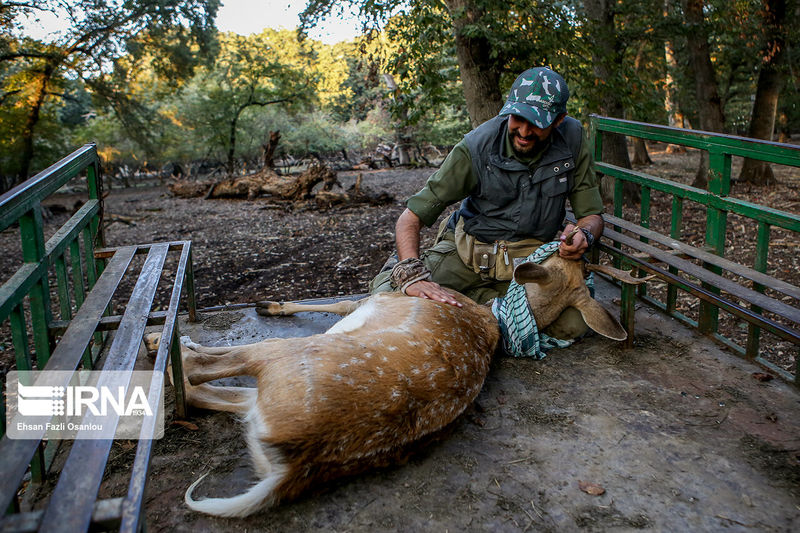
x: 189, y: 343
x: 269, y: 309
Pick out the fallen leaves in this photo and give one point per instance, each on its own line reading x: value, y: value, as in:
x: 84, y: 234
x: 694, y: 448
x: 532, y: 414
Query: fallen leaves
x: 591, y: 488
x: 761, y: 376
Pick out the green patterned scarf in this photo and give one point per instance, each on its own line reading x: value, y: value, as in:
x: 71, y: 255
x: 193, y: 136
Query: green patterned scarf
x: 521, y: 337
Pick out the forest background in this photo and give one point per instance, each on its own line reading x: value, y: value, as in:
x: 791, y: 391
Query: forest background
x: 156, y: 85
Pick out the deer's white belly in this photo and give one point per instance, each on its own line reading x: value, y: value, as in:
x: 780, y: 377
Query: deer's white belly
x: 356, y: 319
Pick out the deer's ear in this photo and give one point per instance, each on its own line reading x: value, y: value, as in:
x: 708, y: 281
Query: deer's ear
x: 531, y: 273
x: 600, y: 320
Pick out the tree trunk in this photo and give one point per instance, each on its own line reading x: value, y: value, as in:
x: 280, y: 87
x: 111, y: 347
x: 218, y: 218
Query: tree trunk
x: 402, y: 132
x: 784, y: 134
x: 675, y: 116
x: 269, y: 149
x: 770, y: 83
x: 26, y: 157
x: 265, y: 182
x: 480, y: 73
x: 232, y: 142
x: 709, y: 103
x: 640, y: 156
x: 606, y: 55
x: 403, y: 154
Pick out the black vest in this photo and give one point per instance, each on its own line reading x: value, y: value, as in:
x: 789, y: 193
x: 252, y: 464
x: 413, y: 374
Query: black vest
x: 512, y: 201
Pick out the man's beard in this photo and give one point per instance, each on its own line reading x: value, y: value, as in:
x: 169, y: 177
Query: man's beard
x: 528, y: 150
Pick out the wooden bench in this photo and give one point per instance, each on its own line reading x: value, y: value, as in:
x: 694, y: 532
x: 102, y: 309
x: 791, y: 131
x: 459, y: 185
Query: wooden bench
x: 676, y: 263
x: 79, y: 340
x: 748, y: 293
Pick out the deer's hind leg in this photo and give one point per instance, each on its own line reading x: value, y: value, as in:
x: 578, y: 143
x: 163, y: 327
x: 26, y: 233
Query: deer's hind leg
x: 216, y: 363
x: 237, y: 400
x: 210, y: 350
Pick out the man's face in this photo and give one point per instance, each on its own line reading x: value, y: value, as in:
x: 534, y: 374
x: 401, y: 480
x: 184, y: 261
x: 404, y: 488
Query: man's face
x: 525, y: 137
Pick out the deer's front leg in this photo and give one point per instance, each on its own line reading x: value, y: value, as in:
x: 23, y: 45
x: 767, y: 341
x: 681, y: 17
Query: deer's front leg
x: 342, y: 308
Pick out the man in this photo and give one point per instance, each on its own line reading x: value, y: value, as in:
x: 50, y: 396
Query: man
x: 514, y: 174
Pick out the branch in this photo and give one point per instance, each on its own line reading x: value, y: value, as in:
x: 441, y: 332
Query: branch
x: 9, y: 93
x: 278, y: 101
x: 83, y: 43
x: 28, y: 5
x: 18, y: 55
x: 65, y: 96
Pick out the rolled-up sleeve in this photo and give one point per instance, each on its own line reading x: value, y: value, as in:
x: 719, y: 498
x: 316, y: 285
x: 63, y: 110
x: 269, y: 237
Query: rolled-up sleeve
x: 584, y: 198
x: 453, y: 182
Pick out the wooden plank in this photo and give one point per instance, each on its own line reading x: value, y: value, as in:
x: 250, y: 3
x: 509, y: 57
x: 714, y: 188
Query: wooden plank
x: 108, y: 323
x: 133, y: 502
x: 726, y: 264
x: 14, y: 203
x: 757, y: 212
x: 782, y: 153
x: 105, y: 516
x: 72, y: 501
x: 103, y: 253
x: 64, y: 301
x: 31, y: 229
x: 13, y: 291
x: 59, y: 242
x: 131, y: 507
x: 15, y: 454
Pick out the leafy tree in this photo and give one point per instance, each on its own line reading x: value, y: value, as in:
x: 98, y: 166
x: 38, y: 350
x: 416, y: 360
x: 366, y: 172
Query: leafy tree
x: 735, y: 51
x: 252, y: 73
x: 491, y: 40
x: 90, y: 49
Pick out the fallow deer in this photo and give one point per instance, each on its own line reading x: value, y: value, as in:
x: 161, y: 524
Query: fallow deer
x: 394, y: 370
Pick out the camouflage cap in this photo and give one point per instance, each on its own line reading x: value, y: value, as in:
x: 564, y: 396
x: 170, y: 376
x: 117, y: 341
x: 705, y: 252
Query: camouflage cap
x: 538, y: 95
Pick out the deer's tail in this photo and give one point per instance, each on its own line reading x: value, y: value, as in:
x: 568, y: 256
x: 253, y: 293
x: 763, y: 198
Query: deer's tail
x: 259, y: 496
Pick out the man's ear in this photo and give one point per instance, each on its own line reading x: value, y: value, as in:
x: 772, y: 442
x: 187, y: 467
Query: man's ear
x: 557, y: 122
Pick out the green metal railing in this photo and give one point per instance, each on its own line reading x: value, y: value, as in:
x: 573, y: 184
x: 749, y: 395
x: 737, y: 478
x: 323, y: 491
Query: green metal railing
x: 721, y: 149
x: 30, y: 285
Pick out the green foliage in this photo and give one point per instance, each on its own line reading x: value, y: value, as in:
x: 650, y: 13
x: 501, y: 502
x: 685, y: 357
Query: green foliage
x: 99, y: 47
x: 361, y: 89
x: 251, y: 73
x: 162, y: 85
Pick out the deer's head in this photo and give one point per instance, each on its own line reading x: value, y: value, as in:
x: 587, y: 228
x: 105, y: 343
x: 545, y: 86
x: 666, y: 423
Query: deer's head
x: 558, y: 283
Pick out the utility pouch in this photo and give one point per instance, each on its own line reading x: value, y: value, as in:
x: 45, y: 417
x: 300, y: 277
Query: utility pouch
x: 492, y: 261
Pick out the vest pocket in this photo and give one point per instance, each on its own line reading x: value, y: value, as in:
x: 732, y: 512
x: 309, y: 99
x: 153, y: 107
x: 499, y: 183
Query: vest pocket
x: 555, y: 185
x: 499, y: 189
x: 552, y: 199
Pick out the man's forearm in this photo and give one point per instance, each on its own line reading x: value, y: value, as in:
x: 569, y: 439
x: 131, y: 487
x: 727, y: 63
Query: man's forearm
x: 407, y: 235
x: 593, y: 223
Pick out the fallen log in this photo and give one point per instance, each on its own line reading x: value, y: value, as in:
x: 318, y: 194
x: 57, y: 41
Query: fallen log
x: 265, y: 182
x: 326, y: 199
x: 354, y: 195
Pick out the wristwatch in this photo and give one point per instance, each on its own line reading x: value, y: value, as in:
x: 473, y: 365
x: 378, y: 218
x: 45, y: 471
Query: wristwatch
x: 589, y: 237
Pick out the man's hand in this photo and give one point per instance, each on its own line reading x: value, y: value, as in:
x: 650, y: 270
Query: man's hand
x: 407, y: 240
x: 431, y: 291
x: 579, y: 245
